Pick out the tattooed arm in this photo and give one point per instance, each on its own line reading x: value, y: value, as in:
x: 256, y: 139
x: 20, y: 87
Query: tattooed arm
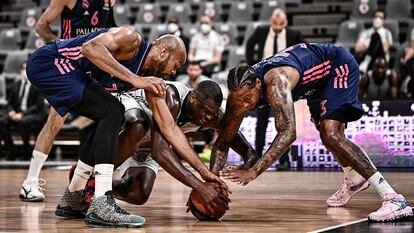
x: 228, y: 129
x: 280, y: 98
x: 239, y: 143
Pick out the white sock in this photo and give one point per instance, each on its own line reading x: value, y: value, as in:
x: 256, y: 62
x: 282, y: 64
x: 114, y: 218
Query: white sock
x: 80, y: 177
x: 36, y: 164
x: 103, y: 178
x: 380, y: 184
x: 351, y: 174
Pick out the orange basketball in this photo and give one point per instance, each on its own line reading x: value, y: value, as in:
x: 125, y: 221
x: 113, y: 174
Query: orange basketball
x: 200, y: 210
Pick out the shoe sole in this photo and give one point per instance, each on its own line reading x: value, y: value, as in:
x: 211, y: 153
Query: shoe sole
x: 69, y: 214
x: 34, y: 199
x: 99, y: 223
x: 363, y: 187
x: 396, y: 218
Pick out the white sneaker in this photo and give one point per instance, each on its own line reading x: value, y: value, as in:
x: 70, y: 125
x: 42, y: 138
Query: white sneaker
x: 31, y: 190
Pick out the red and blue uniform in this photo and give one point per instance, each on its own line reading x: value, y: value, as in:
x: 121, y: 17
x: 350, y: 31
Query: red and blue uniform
x: 60, y: 71
x: 329, y: 79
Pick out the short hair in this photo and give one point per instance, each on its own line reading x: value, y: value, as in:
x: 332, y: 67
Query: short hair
x: 209, y: 90
x: 279, y: 12
x: 194, y: 63
x: 241, y: 76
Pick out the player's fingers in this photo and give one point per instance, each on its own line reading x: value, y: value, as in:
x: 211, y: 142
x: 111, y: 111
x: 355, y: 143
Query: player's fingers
x: 224, y: 187
x: 224, y: 197
x: 231, y: 167
x: 153, y: 89
x: 161, y: 90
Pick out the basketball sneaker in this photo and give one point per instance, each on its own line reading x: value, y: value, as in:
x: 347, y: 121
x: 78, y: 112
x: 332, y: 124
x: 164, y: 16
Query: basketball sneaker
x: 90, y: 185
x: 104, y: 212
x: 72, y: 204
x: 345, y: 193
x: 31, y: 190
x: 394, y: 206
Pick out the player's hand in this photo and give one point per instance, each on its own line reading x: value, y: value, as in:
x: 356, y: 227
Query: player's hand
x: 212, y: 196
x: 242, y: 177
x: 210, y: 177
x: 152, y: 84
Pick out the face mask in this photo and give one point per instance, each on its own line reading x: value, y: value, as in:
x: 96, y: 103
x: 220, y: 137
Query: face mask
x: 377, y: 22
x: 205, y: 28
x: 172, y: 27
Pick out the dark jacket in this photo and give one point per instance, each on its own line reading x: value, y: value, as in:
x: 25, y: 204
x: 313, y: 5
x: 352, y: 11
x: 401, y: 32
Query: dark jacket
x: 35, y: 101
x: 254, y: 54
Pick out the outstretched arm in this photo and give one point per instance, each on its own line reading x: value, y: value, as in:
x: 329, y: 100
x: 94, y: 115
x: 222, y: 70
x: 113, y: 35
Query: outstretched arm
x: 169, y: 160
x: 228, y: 129
x: 176, y: 138
x: 239, y: 143
x: 280, y: 98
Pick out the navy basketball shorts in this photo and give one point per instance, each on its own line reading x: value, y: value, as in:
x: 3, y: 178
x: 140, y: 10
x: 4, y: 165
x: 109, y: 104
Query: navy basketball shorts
x: 339, y: 96
x: 58, y: 79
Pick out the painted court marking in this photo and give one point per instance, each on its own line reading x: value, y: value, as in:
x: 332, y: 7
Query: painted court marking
x: 339, y: 225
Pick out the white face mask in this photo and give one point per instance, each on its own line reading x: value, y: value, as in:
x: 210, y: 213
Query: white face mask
x: 172, y: 28
x: 377, y: 22
x: 205, y: 28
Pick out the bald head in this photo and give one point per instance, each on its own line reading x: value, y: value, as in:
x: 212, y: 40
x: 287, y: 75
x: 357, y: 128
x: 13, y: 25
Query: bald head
x: 174, y: 45
x: 278, y: 21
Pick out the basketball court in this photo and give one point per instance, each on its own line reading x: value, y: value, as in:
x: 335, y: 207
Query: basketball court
x: 275, y: 202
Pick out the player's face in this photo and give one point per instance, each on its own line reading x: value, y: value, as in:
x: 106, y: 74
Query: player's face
x: 246, y: 98
x: 380, y: 67
x: 168, y: 66
x: 203, y: 109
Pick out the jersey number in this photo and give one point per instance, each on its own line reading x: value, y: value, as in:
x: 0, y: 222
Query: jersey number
x: 95, y: 19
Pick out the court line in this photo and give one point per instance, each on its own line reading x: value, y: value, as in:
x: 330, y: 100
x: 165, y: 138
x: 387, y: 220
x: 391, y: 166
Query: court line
x: 338, y: 226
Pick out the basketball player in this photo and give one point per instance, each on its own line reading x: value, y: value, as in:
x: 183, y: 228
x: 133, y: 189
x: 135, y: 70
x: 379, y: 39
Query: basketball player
x: 78, y: 17
x: 194, y: 111
x: 73, y: 75
x: 327, y: 76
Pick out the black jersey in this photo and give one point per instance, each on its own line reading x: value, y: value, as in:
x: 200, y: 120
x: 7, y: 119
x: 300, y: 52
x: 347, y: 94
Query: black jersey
x: 86, y: 16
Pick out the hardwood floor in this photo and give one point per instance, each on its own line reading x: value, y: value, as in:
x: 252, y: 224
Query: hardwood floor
x: 275, y: 202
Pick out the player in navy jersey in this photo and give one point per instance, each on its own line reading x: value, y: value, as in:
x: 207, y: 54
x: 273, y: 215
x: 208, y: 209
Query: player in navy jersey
x: 78, y: 17
x: 328, y: 77
x: 64, y: 72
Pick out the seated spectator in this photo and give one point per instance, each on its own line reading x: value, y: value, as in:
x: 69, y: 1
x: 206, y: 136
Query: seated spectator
x: 380, y: 82
x: 206, y: 46
x: 194, y: 75
x: 25, y: 109
x: 407, y: 68
x: 374, y: 42
x: 173, y: 27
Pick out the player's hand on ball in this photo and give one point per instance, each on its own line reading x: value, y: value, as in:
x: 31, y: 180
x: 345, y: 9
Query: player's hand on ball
x: 212, y: 197
x: 152, y: 84
x: 210, y: 177
x: 242, y: 177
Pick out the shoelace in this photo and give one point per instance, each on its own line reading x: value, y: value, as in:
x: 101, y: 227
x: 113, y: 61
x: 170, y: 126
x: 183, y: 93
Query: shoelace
x: 111, y: 201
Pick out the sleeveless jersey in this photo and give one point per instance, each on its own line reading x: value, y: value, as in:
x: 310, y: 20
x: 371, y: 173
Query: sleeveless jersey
x: 86, y: 16
x: 313, y: 62
x: 71, y: 49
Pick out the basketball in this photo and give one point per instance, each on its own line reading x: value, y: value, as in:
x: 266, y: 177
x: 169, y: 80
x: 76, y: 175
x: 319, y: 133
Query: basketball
x: 200, y: 210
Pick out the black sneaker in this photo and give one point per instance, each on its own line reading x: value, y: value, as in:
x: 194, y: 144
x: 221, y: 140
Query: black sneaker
x: 104, y: 212
x: 72, y: 204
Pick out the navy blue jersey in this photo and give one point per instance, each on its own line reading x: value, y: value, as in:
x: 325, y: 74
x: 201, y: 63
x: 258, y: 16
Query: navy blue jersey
x: 71, y: 49
x: 86, y: 16
x: 313, y: 62
x: 329, y: 80
x: 60, y: 72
